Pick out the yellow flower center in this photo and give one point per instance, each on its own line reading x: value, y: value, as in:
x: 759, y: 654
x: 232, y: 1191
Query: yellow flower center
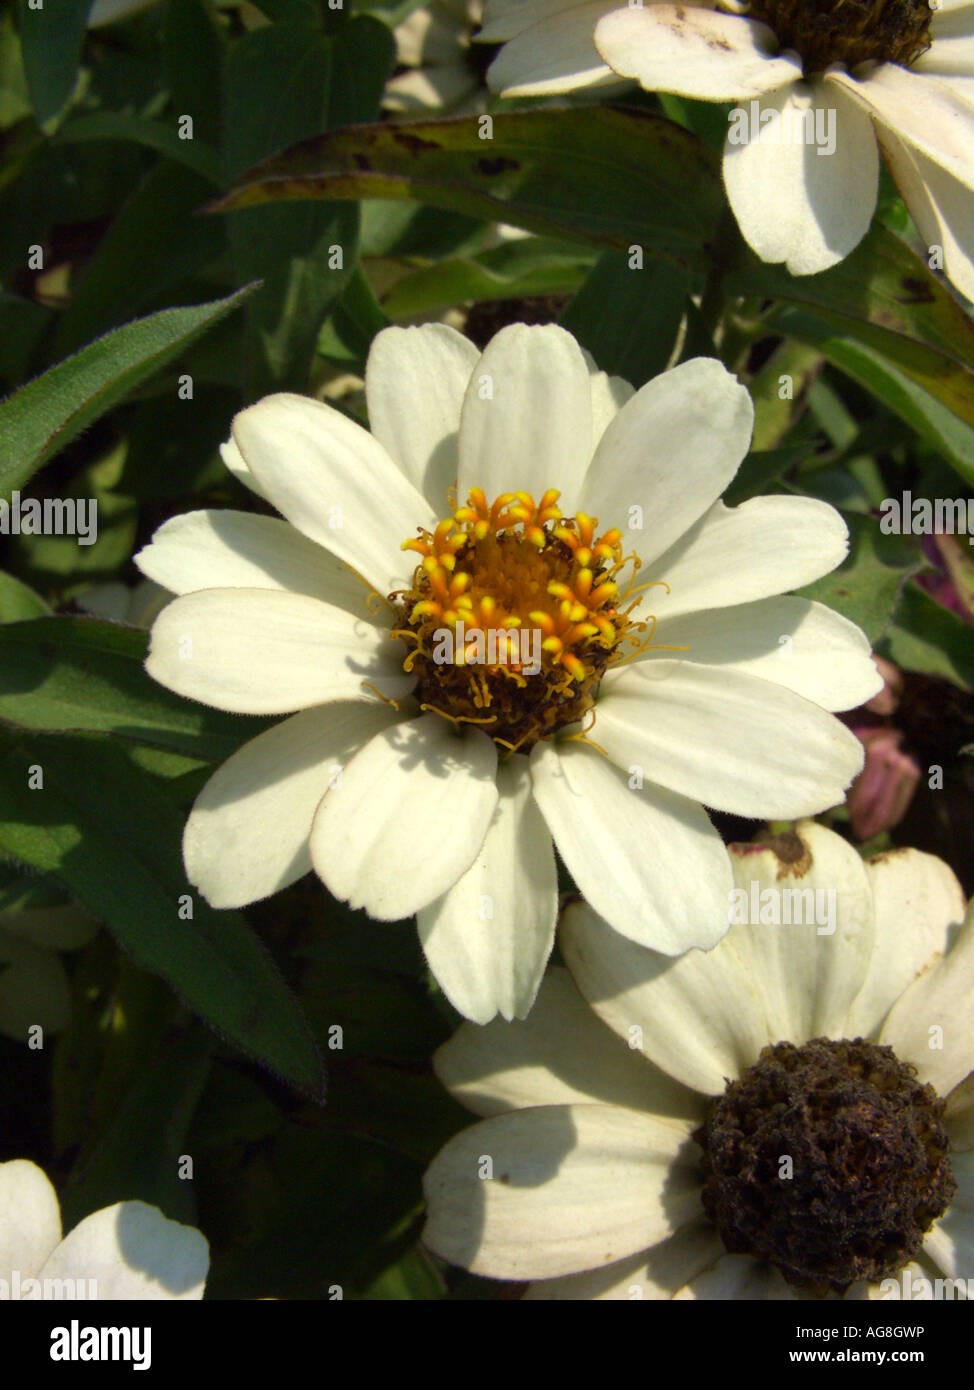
x: 514, y: 614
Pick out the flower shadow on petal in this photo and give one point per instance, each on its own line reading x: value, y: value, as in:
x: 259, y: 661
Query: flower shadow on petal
x: 174, y: 1256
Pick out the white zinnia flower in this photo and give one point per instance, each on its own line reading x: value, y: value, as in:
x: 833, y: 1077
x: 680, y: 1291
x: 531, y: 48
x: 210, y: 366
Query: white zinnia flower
x: 34, y: 987
x: 897, y: 71
x: 433, y: 43
x: 129, y: 1250
x: 446, y: 803
x: 133, y: 604
x: 601, y: 1131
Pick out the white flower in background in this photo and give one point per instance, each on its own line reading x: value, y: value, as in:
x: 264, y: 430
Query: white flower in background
x: 105, y: 12
x: 434, y: 44
x: 896, y: 72
x: 34, y: 986
x: 129, y: 1250
x: 415, y: 784
x: 134, y: 604
x: 701, y: 1128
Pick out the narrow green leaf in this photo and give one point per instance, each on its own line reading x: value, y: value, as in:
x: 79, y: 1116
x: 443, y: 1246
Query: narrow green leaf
x: 63, y: 673
x: 157, y: 229
x: 194, y: 65
x: 923, y: 412
x: 517, y: 270
x: 46, y: 414
x: 105, y: 828
x: 18, y: 602
x: 139, y: 1155
x: 609, y: 177
x: 885, y: 297
x: 629, y: 318
x: 51, y: 39
x: 278, y: 89
x: 154, y: 135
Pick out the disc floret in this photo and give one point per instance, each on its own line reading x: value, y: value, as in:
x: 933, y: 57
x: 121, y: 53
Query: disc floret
x: 849, y: 32
x: 534, y: 609
x: 830, y: 1160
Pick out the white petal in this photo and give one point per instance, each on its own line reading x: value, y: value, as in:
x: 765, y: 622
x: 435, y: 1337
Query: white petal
x: 652, y: 1274
x: 247, y: 835
x: 733, y: 555
x: 694, y: 51
x: 236, y: 550
x: 926, y: 114
x: 30, y: 1218
x: 794, y: 642
x: 628, y: 847
x: 557, y: 54
x: 940, y: 998
x: 408, y: 817
x: 671, y: 451
x: 805, y: 197
x: 726, y: 738
x: 34, y: 990
x: 234, y: 460
x: 488, y: 939
x: 698, y: 1017
x: 335, y: 483
x: 736, y: 1277
x: 573, y: 1187
x: 951, y: 1241
x: 940, y: 205
x: 132, y: 1251
x: 414, y: 385
x: 960, y: 1115
x: 560, y: 1054
x: 804, y: 930
x: 505, y: 18
x: 917, y: 899
x: 951, y: 54
x: 426, y: 89
x: 609, y: 395
x: 258, y: 651
x: 527, y: 417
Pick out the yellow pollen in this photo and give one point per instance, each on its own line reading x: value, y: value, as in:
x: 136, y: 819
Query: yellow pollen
x: 531, y: 607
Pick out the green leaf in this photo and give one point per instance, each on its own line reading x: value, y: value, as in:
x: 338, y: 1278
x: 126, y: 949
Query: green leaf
x: 517, y: 270
x: 157, y: 229
x: 140, y: 1152
x: 18, y: 602
x: 51, y: 39
x: 779, y: 391
x: 354, y: 322
x: 923, y: 412
x: 929, y: 638
x: 609, y: 177
x: 413, y: 1277
x: 154, y: 135
x: 194, y: 66
x: 629, y: 318
x: 867, y: 586
x: 283, y: 83
x: 761, y: 470
x: 105, y: 520
x: 46, y: 414
x: 105, y: 828
x: 885, y: 297
x: 60, y: 673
